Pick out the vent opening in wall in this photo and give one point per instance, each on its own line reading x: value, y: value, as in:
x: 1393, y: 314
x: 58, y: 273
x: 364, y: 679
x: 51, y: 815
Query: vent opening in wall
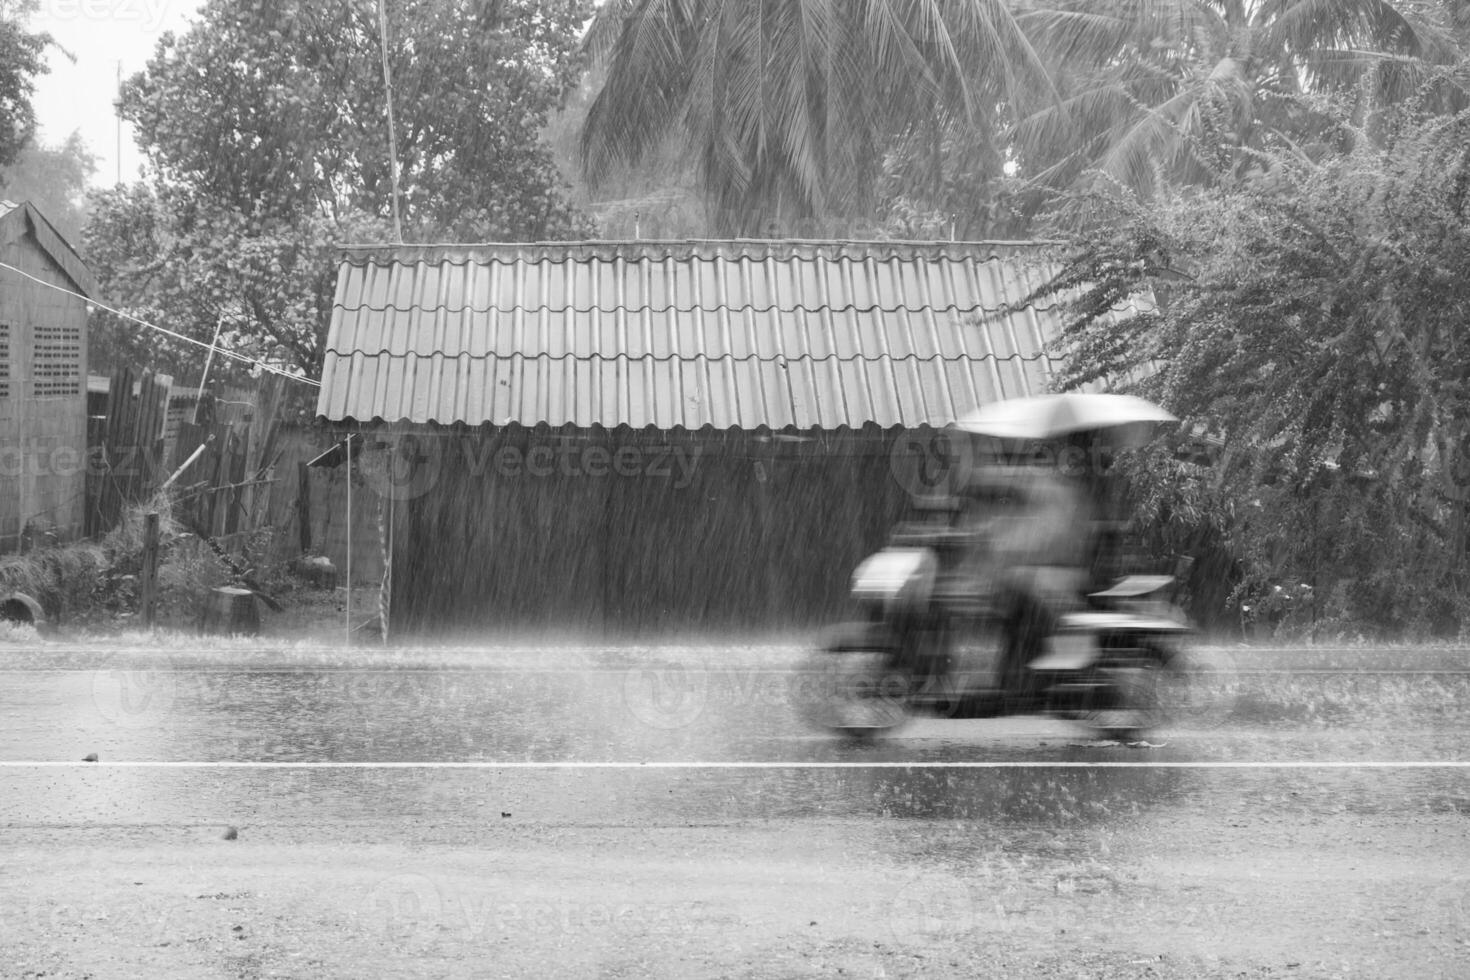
x: 57, y: 366
x: 4, y: 360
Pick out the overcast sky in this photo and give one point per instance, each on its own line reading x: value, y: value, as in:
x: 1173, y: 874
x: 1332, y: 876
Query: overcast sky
x: 101, y: 34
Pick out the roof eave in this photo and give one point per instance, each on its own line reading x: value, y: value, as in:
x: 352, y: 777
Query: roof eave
x: 25, y: 217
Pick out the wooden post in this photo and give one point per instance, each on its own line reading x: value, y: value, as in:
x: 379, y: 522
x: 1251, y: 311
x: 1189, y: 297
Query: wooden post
x: 219, y: 502
x: 385, y: 590
x: 149, y: 577
x: 607, y: 558
x: 234, y: 476
x: 347, y: 619
x: 303, y: 506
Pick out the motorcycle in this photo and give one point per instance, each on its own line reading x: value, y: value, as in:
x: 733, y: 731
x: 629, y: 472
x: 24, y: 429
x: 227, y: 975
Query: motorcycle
x: 1035, y: 639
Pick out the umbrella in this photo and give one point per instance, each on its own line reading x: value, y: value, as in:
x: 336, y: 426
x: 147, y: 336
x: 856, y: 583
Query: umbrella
x: 1052, y: 416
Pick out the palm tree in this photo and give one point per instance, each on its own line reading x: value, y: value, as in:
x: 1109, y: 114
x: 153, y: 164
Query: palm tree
x: 1162, y: 91
x: 786, y: 106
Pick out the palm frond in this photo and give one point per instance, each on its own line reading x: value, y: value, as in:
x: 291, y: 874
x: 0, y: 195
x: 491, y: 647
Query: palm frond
x: 1157, y: 135
x: 1096, y: 34
x: 607, y: 24
x: 1299, y: 26
x: 644, y: 86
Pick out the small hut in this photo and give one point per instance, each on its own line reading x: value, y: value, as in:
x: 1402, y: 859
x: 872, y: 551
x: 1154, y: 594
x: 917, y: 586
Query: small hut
x: 634, y: 436
x: 43, y: 367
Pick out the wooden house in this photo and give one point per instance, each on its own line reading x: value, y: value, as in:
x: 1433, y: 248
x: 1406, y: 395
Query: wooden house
x: 626, y: 436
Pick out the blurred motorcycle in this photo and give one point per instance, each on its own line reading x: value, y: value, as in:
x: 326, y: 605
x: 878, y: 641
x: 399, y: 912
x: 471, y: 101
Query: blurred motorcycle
x: 1007, y: 597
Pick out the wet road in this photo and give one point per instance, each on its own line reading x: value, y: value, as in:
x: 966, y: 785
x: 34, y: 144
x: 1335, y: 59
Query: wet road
x: 666, y: 734
x: 685, y: 705
x: 300, y: 750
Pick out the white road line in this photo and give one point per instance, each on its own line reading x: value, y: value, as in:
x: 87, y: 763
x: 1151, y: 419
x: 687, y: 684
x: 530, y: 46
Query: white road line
x: 661, y: 668
x: 1415, y: 764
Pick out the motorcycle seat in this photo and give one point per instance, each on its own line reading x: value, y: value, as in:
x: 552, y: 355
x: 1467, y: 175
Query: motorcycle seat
x: 1134, y: 586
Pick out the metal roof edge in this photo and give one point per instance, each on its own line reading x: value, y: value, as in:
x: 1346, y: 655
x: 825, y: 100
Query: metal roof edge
x: 349, y: 353
x: 482, y: 252
x: 568, y: 243
x: 460, y: 427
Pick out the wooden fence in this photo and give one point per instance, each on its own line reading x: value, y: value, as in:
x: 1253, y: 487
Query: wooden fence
x: 222, y: 466
x: 215, y: 454
x: 125, y: 448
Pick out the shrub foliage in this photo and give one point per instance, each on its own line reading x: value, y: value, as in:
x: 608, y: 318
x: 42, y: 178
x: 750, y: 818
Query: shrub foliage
x: 1312, y: 319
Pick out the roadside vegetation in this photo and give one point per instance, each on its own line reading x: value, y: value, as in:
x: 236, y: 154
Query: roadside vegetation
x: 93, y: 587
x: 1311, y: 327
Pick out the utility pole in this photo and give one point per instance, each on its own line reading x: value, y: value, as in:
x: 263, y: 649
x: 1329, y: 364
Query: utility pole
x: 117, y: 107
x: 392, y: 135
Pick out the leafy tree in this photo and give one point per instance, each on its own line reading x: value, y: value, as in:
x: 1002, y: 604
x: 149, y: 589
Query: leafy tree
x: 54, y: 179
x: 191, y: 265
x: 277, y: 106
x: 787, y: 106
x: 20, y: 62
x: 265, y: 132
x: 1311, y: 319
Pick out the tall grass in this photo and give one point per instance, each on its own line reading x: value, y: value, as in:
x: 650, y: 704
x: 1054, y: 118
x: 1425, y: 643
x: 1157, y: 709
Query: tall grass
x: 61, y: 579
x: 93, y: 576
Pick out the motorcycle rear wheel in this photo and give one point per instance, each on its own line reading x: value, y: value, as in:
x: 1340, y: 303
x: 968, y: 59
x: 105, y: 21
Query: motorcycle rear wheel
x: 852, y: 686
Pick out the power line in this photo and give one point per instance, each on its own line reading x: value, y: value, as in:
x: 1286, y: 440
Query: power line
x: 254, y: 362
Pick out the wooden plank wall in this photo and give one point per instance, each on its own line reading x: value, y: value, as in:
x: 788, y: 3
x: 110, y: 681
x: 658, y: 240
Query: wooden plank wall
x: 127, y: 462
x: 326, y: 505
x: 764, y: 534
x: 224, y: 493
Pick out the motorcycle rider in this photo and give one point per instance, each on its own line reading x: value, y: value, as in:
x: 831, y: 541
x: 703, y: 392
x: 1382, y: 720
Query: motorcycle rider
x: 1031, y: 560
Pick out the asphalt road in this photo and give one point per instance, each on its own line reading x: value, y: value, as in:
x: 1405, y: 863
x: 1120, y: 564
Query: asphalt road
x: 663, y: 811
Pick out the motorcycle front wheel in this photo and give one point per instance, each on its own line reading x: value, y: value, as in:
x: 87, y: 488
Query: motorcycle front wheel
x: 1136, y: 695
x: 853, y: 686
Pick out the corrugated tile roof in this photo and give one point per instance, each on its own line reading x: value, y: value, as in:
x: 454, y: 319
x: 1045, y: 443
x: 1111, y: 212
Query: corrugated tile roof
x: 724, y: 334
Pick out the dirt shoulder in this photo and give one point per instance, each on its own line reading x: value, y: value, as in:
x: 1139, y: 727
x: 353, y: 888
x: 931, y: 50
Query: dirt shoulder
x: 1341, y: 895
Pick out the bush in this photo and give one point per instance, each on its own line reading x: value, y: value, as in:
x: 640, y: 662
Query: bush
x: 103, y: 577
x: 1310, y: 320
x: 63, y: 580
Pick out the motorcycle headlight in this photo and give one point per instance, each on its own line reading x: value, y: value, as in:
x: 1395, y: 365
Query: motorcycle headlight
x: 892, y: 575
